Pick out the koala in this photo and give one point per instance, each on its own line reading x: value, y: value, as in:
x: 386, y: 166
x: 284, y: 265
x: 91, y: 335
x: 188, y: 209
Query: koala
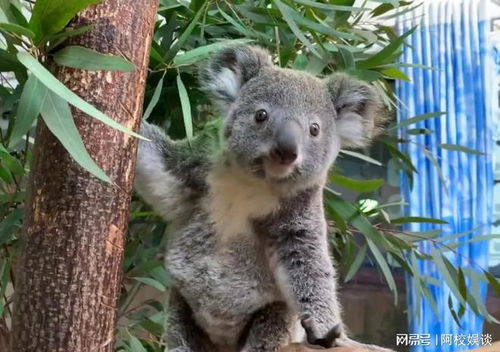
x: 248, y: 252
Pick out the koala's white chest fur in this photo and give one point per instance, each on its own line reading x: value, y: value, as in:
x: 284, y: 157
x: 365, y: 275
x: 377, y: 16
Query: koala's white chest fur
x: 235, y: 199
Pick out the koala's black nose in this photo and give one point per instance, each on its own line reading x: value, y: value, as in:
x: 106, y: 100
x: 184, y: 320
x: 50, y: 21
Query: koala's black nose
x: 286, y: 146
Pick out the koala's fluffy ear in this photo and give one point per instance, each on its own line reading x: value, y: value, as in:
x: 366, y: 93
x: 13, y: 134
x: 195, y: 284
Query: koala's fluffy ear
x: 360, y: 114
x: 229, y: 69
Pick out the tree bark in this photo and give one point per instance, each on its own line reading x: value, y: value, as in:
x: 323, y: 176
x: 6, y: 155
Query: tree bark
x: 69, y: 274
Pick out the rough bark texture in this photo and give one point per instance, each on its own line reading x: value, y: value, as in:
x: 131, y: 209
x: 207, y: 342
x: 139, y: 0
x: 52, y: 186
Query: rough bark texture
x: 69, y: 274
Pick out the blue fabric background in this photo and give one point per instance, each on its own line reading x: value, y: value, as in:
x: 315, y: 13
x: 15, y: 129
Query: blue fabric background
x: 452, y: 40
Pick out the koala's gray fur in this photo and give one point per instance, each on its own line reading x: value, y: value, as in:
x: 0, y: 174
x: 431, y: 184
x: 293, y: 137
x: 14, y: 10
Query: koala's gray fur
x: 249, y: 252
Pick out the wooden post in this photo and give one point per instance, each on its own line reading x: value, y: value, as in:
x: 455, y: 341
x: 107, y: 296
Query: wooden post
x: 70, y: 268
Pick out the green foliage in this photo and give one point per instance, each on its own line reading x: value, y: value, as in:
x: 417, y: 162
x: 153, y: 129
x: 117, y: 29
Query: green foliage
x: 319, y: 37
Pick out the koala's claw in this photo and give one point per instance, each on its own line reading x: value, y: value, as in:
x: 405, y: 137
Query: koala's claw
x: 312, y: 337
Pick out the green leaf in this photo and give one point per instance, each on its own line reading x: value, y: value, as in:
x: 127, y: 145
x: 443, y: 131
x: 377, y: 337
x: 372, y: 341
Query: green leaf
x: 172, y: 52
x: 395, y: 73
x: 448, y: 272
x: 57, y: 116
x: 155, y: 98
x: 8, y: 62
x: 11, y: 162
x: 61, y: 90
x: 355, y: 184
x: 16, y: 29
x: 453, y: 311
x: 412, y: 219
x: 193, y: 56
x: 435, y: 163
x: 32, y: 98
x: 382, y: 263
x: 417, y: 131
x: 494, y: 282
x: 358, y: 261
x: 51, y: 16
x: 418, y: 118
x: 288, y: 17
x: 186, y: 107
x: 151, y: 282
x: 384, y: 55
x: 8, y: 224
x: 460, y: 148
x: 320, y: 5
x: 361, y: 156
x: 350, y: 213
x: 462, y: 286
x: 58, y: 38
x: 136, y: 345
x: 88, y: 59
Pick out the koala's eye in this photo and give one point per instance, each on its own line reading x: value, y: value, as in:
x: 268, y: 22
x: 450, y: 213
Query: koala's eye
x: 261, y: 115
x: 314, y: 129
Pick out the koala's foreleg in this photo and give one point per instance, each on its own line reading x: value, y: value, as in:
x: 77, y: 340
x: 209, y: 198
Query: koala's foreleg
x: 183, y: 333
x: 269, y: 329
x: 169, y: 173
x: 305, y: 274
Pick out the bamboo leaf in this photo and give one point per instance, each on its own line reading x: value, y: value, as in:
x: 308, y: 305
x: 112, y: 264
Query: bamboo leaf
x: 61, y: 90
x: 57, y: 116
x: 87, y: 59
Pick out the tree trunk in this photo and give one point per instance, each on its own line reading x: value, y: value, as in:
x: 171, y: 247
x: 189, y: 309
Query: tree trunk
x: 69, y: 273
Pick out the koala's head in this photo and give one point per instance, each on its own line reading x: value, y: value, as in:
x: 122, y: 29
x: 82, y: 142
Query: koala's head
x: 286, y: 125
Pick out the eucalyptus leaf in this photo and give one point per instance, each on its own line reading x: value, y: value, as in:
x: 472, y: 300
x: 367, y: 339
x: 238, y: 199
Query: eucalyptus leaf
x: 186, y: 107
x: 16, y: 29
x: 461, y: 148
x: 358, y: 261
x: 8, y: 62
x: 155, y: 98
x: 61, y: 90
x: 192, y: 56
x: 51, y: 16
x: 418, y: 118
x: 30, y: 104
x: 88, y: 59
x: 57, y: 116
x: 357, y: 184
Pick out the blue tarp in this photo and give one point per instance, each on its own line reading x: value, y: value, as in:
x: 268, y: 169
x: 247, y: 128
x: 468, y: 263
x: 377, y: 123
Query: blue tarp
x: 452, y: 39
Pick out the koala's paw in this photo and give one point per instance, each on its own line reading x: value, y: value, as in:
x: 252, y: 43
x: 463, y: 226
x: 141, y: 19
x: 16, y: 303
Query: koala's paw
x: 326, y: 341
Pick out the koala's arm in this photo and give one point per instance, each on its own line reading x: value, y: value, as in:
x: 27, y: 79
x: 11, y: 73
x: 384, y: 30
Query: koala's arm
x: 299, y: 256
x: 169, y: 172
